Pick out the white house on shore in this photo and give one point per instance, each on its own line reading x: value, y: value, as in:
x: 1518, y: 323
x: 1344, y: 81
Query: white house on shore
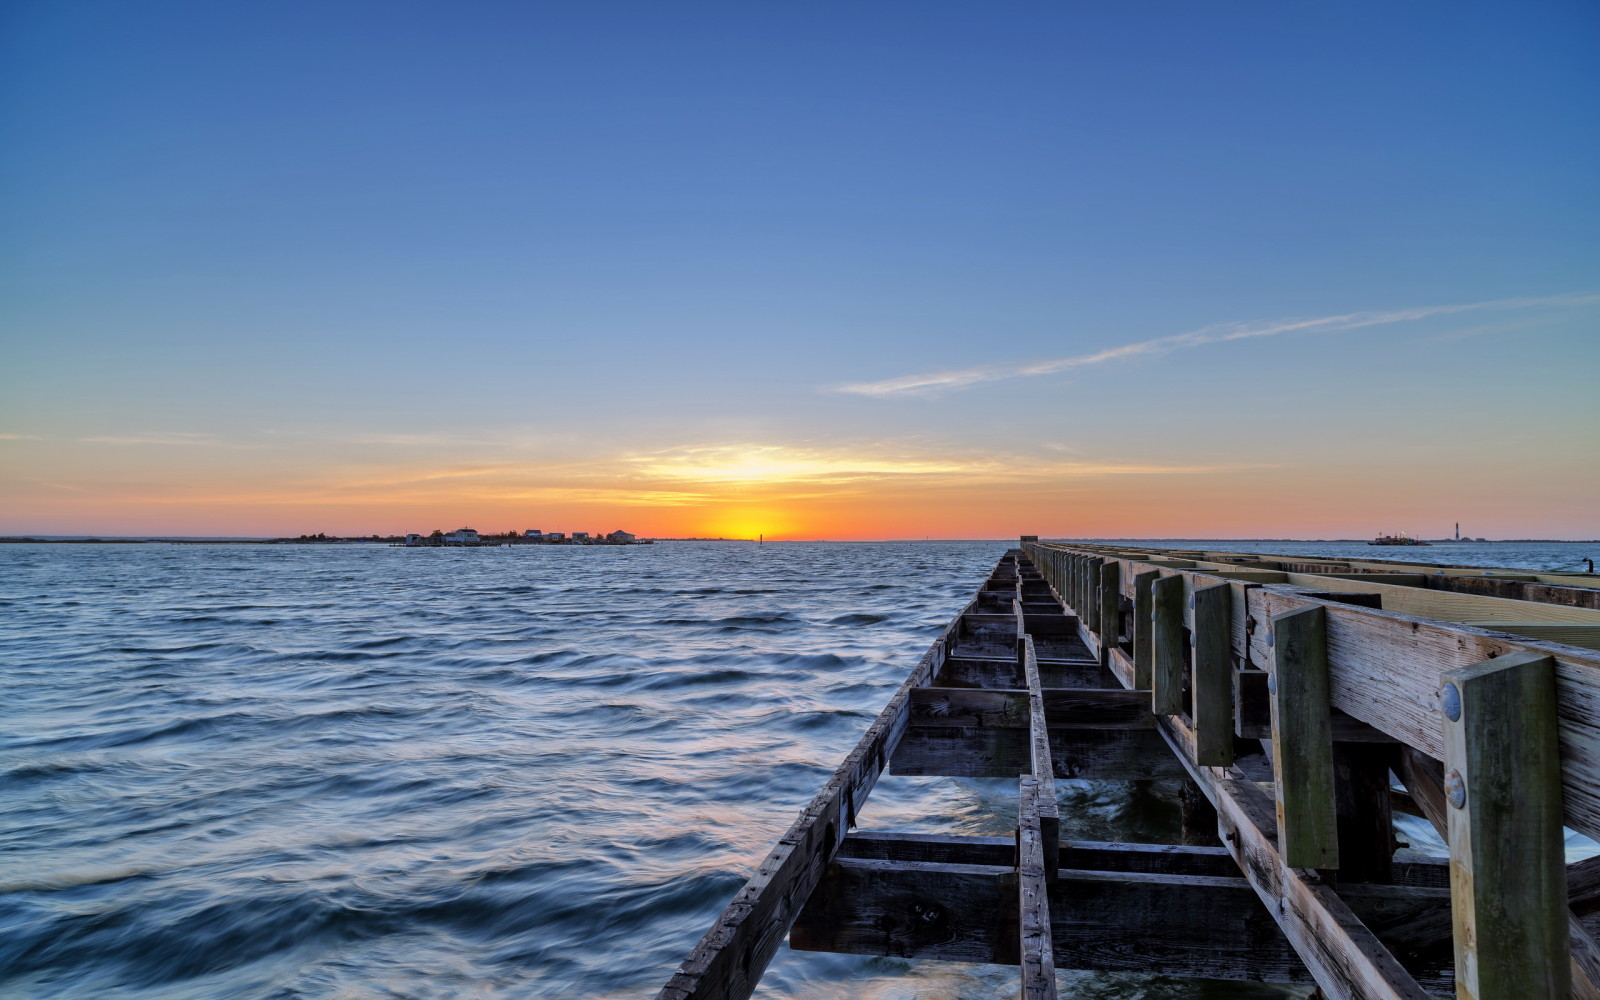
x: 533, y: 533
x: 413, y: 539
x: 620, y: 536
x: 461, y: 536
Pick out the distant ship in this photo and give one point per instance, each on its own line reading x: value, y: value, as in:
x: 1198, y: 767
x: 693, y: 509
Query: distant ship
x: 1400, y: 539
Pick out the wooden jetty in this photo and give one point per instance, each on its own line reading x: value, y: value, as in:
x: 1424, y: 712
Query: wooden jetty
x: 1293, y: 698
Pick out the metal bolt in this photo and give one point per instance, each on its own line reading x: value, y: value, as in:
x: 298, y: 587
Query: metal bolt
x: 1450, y: 701
x: 1455, y: 789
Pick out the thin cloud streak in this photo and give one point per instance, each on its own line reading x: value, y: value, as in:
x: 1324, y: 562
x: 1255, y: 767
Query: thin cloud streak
x: 933, y: 383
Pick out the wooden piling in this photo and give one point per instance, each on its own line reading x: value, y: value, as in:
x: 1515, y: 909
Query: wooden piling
x: 1302, y: 741
x: 1502, y: 784
x: 1143, y: 654
x: 1211, y: 684
x: 1169, y: 661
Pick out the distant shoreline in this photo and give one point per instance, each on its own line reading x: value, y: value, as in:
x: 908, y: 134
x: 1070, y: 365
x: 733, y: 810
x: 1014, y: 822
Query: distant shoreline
x: 387, y: 540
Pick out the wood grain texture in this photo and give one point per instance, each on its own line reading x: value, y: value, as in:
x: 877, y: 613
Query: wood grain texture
x: 1211, y: 679
x: 1302, y: 741
x: 1507, y: 860
x: 1143, y: 654
x: 1169, y: 666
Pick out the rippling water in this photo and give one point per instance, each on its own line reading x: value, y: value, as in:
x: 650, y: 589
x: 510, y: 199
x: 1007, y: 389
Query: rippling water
x: 263, y: 771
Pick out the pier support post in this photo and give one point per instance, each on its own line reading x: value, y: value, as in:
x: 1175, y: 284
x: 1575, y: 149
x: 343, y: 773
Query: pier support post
x: 1143, y: 656
x: 1211, y: 687
x: 1110, y: 609
x: 1166, y: 638
x: 1503, y: 794
x: 1302, y: 740
x: 1090, y: 612
x: 1366, y: 818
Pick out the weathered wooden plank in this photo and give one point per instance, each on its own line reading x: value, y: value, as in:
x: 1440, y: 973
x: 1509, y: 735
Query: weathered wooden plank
x: 1041, y: 769
x: 1365, y: 817
x: 1101, y: 920
x: 1252, y: 704
x: 1170, y: 661
x: 1008, y: 708
x: 1089, y: 611
x: 1143, y: 652
x: 1110, y: 616
x: 977, y: 672
x: 1077, y: 752
x: 1345, y: 957
x: 1211, y: 683
x: 1033, y: 896
x: 1302, y: 741
x: 1503, y: 784
x: 1385, y: 672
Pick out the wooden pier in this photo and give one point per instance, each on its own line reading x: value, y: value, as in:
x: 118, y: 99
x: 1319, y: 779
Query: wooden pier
x: 1293, y: 699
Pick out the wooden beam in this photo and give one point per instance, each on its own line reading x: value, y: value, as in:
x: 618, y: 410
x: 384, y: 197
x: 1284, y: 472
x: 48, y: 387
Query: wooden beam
x: 1110, y: 754
x: 1110, y: 615
x: 1302, y: 741
x: 1096, y: 708
x: 1365, y: 816
x: 1033, y: 896
x: 1345, y: 957
x: 1090, y: 611
x: 1507, y: 863
x: 1211, y: 685
x: 1169, y: 664
x: 1131, y: 920
x: 1143, y: 655
x: 1041, y: 770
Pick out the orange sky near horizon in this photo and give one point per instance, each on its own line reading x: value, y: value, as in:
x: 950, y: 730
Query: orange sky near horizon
x: 207, y: 489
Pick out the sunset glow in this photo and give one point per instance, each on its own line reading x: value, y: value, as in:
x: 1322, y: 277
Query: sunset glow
x: 1043, y: 271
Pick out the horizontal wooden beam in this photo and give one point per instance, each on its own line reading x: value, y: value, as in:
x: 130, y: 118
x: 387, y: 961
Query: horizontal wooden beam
x: 1077, y: 752
x: 1115, y: 921
x: 1097, y: 708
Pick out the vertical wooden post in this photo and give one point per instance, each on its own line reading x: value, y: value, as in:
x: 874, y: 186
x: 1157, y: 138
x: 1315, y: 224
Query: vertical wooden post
x: 1366, y: 818
x: 1302, y: 740
x: 1197, y: 816
x: 1507, y: 864
x: 1211, y: 687
x: 1142, y: 654
x: 1110, y: 608
x: 1166, y: 636
x: 1091, y: 597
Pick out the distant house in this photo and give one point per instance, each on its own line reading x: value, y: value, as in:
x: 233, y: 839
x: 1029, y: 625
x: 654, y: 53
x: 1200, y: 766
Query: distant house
x: 580, y: 536
x: 413, y: 539
x: 533, y: 533
x: 620, y: 536
x: 555, y: 536
x: 462, y: 536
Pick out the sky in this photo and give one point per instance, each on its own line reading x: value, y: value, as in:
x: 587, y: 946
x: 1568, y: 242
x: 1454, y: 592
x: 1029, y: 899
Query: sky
x: 807, y: 270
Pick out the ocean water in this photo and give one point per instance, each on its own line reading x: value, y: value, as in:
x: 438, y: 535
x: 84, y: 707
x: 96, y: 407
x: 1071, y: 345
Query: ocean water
x: 350, y: 771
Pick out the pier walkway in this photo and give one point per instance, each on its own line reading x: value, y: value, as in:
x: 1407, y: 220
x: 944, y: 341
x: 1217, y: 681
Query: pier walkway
x: 1299, y: 703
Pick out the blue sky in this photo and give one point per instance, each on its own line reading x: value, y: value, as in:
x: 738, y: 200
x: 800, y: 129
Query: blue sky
x: 301, y: 264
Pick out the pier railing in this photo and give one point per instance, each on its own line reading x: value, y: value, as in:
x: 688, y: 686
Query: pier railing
x: 1495, y: 734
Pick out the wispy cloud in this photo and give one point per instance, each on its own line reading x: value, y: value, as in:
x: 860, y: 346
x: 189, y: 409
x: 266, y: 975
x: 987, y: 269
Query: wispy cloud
x: 152, y: 437
x: 734, y: 465
x: 933, y: 383
x: 19, y: 437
